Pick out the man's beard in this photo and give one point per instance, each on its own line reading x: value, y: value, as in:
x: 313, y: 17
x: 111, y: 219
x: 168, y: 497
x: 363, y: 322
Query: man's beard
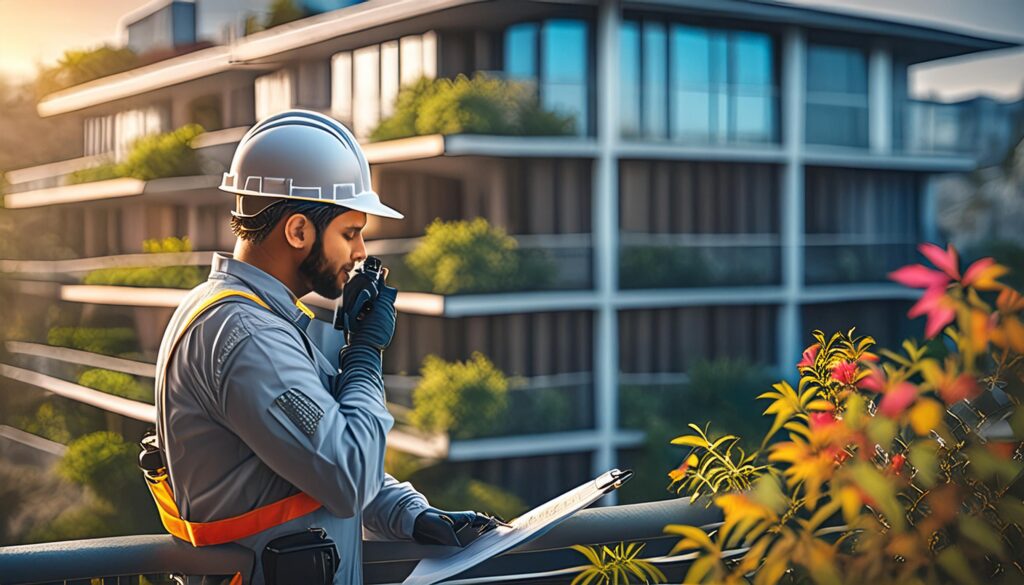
x: 319, y: 273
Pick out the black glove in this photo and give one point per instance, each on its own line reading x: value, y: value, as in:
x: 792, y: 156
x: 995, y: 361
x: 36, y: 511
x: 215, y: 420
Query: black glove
x: 435, y: 526
x: 358, y: 296
x: 377, y: 327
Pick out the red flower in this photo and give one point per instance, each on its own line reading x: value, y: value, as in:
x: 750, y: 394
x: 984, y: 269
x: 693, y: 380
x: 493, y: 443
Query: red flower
x: 918, y: 276
x: 808, y: 356
x: 939, y: 309
x: 822, y: 420
x: 845, y: 373
x: 896, y: 465
x: 897, y: 399
x: 953, y: 390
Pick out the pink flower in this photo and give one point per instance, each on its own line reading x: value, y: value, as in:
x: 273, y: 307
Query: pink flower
x: 897, y: 399
x: 808, y: 356
x: 945, y: 260
x: 845, y: 373
x: 918, y: 276
x: 874, y: 381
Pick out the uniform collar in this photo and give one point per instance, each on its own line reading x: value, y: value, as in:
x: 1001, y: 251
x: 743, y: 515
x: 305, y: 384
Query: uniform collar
x: 273, y: 292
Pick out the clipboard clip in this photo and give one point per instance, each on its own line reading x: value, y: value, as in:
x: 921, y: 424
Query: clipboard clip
x: 613, y: 480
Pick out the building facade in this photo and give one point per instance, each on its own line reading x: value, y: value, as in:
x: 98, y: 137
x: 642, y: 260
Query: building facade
x: 737, y: 174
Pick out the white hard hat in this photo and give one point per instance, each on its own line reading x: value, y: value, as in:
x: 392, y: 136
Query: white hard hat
x: 304, y: 155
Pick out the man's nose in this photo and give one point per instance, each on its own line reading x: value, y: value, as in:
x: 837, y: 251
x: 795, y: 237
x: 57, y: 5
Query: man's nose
x: 358, y: 249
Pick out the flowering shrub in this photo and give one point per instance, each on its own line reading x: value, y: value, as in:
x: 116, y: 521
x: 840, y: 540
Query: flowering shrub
x: 880, y: 466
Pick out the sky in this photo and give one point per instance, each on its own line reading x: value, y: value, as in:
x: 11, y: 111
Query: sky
x: 34, y: 32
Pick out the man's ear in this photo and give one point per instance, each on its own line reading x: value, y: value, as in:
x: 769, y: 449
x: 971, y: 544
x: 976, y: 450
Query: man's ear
x: 299, y: 232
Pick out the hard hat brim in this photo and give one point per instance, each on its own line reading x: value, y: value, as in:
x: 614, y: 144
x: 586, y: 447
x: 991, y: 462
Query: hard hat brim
x: 367, y: 202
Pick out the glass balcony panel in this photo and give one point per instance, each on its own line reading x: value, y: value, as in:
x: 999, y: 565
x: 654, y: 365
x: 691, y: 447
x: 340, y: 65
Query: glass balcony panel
x: 545, y: 263
x: 688, y: 265
x: 935, y: 128
x: 846, y: 262
x: 837, y: 125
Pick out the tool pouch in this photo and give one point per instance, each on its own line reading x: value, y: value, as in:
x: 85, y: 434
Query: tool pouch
x: 309, y: 558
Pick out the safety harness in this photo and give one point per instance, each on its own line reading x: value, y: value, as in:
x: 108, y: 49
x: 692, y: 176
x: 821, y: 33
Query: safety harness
x: 228, y: 529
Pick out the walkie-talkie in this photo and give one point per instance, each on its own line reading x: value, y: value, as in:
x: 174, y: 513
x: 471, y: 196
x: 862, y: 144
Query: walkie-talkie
x: 358, y: 295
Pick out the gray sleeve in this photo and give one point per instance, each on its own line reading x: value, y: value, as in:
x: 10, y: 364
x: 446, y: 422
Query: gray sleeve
x: 273, y: 399
x: 391, y: 515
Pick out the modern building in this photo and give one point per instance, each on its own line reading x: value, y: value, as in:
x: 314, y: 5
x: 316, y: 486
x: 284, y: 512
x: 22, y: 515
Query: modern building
x: 739, y: 173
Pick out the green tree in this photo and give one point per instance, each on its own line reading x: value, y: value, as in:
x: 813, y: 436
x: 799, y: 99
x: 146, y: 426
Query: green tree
x: 105, y: 464
x: 78, y: 66
x: 465, y: 399
x: 105, y: 340
x: 472, y: 105
x: 116, y: 383
x: 151, y: 157
x: 283, y: 12
x: 473, y: 256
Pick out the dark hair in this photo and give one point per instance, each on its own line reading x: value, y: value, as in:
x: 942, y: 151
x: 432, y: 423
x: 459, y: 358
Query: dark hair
x: 256, y: 229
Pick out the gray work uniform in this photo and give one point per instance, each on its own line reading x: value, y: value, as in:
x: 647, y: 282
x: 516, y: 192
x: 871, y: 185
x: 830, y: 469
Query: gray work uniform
x: 252, y: 412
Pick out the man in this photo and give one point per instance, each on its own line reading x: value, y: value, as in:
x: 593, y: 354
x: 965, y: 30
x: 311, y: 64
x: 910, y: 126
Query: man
x: 261, y: 436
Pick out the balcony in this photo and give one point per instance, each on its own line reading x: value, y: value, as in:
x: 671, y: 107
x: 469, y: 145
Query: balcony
x: 652, y: 261
x: 932, y: 128
x: 848, y: 260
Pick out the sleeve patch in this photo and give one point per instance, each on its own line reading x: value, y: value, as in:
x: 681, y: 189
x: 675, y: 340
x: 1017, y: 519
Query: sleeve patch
x: 301, y: 410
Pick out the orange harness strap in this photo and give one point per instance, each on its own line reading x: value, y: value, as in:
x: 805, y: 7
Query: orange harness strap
x: 237, y: 527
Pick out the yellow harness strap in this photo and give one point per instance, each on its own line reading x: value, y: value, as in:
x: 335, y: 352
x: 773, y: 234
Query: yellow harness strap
x: 237, y: 527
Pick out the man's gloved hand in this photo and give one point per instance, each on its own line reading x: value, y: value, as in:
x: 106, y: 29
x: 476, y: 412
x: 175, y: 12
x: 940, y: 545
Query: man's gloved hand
x: 377, y: 327
x: 435, y: 526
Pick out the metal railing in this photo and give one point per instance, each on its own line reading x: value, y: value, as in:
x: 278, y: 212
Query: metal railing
x: 547, y: 559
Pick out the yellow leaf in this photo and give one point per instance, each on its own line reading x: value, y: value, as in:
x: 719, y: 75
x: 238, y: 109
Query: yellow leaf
x: 926, y: 416
x: 690, y: 441
x: 851, y: 503
x: 821, y: 405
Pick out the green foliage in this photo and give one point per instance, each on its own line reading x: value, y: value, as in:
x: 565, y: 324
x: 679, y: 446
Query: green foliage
x: 473, y: 257
x: 61, y: 420
x: 105, y: 464
x: 102, y: 461
x: 78, y: 66
x: 105, y: 340
x: 152, y: 157
x: 102, y: 172
x: 450, y: 490
x: 616, y: 565
x: 116, y: 383
x: 283, y: 12
x: 465, y: 399
x: 153, y: 276
x: 477, y: 105
x: 677, y: 266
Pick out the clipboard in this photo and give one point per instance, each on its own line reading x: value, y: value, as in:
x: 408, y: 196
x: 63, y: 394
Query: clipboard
x: 520, y: 531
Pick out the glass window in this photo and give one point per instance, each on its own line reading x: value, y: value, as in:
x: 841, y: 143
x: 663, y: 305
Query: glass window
x: 716, y: 85
x: 565, y: 68
x: 389, y: 77
x: 411, y: 58
x: 629, y: 69
x: 521, y: 51
x: 341, y: 87
x: 692, y: 105
x: 655, y: 85
x: 837, y: 96
x: 753, y: 105
x: 365, y: 90
x: 273, y: 93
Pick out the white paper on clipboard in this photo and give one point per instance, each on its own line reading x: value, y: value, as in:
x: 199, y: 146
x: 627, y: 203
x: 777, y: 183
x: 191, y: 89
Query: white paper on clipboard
x: 524, y: 528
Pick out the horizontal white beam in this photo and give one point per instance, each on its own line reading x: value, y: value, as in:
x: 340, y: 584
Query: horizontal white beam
x: 543, y: 444
x: 122, y: 295
x: 83, y: 358
x: 113, y: 188
x: 101, y: 262
x: 33, y: 441
x: 110, y: 403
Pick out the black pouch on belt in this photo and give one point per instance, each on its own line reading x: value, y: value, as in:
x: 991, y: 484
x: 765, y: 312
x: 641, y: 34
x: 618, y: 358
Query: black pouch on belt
x: 309, y: 558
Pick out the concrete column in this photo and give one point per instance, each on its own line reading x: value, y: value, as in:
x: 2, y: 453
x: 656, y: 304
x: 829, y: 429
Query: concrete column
x: 880, y: 100
x: 794, y: 76
x: 606, y: 238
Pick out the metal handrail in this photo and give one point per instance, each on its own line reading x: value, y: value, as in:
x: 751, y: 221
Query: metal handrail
x: 383, y: 562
